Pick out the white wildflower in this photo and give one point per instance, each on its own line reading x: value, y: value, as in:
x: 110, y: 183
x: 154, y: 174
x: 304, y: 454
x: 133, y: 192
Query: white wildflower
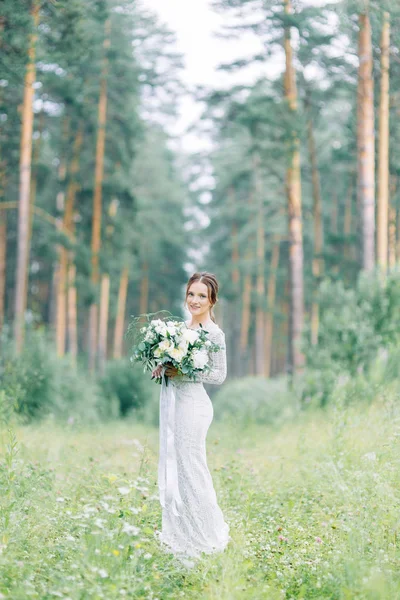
x: 124, y: 490
x: 103, y: 573
x: 370, y: 456
x: 130, y: 529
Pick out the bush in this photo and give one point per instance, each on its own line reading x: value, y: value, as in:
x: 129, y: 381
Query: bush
x: 127, y: 385
x: 255, y: 400
x: 41, y: 384
x: 355, y: 326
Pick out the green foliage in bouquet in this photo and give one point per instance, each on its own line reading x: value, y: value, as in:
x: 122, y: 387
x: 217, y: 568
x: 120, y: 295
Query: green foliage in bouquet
x: 163, y: 339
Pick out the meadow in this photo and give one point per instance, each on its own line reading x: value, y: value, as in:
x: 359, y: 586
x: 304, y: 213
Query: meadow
x: 312, y: 504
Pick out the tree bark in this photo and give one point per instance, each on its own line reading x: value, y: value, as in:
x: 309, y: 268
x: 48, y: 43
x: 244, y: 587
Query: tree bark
x: 32, y: 197
x: 348, y: 213
x: 235, y: 244
x: 366, y: 144
x: 61, y: 306
x: 260, y: 282
x: 318, y: 263
x: 269, y: 321
x: 3, y: 243
x: 105, y: 294
x: 72, y: 312
x: 97, y: 198
x: 120, y: 318
x: 144, y: 289
x: 103, y: 322
x: 383, y: 164
x: 24, y: 184
x: 295, y: 226
x: 3, y: 262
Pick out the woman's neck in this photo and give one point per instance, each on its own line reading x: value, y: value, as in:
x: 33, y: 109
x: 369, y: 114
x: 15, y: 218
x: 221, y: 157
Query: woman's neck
x: 202, y: 320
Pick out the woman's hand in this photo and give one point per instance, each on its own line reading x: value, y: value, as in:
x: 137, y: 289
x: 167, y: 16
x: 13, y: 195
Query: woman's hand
x: 157, y: 371
x: 171, y: 371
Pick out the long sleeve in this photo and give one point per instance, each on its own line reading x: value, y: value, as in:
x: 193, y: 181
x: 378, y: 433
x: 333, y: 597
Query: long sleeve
x: 217, y: 373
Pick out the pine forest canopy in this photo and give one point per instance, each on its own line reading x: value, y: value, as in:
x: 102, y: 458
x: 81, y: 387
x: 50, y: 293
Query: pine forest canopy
x: 99, y: 215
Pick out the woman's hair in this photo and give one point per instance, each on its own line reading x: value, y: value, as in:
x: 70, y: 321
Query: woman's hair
x: 212, y: 285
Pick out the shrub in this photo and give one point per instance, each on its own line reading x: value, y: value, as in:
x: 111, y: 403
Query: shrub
x: 127, y: 384
x: 254, y: 400
x: 355, y: 326
x: 41, y: 384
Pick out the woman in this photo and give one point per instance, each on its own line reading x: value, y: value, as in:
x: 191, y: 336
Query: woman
x: 194, y: 523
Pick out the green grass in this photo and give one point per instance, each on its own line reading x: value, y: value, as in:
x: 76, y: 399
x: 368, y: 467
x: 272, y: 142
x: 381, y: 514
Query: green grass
x: 314, y: 511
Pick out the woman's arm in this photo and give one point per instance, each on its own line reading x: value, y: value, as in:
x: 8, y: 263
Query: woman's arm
x: 217, y: 373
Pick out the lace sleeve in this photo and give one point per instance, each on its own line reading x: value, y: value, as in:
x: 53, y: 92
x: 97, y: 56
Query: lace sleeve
x: 217, y: 373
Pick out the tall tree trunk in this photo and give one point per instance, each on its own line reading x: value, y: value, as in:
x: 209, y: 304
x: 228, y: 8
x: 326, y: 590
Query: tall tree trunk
x: 120, y: 318
x: 245, y: 320
x: 348, y: 218
x: 24, y: 184
x: 3, y: 259
x: 269, y: 321
x: 103, y: 320
x: 144, y: 289
x: 318, y: 264
x: 105, y: 295
x: 232, y: 309
x: 366, y: 144
x: 61, y: 319
x: 293, y: 186
x: 393, y: 225
x: 235, y: 244
x: 60, y: 206
x: 32, y: 196
x: 260, y: 283
x: 72, y: 311
x: 3, y: 243
x: 97, y: 197
x: 392, y: 238
x: 383, y: 164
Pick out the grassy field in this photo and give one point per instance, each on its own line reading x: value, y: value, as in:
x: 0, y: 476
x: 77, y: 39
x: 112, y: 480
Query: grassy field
x: 314, y: 511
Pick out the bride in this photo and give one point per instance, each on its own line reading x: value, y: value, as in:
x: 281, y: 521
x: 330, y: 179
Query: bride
x: 192, y: 521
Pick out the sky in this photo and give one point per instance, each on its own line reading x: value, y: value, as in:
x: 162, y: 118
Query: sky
x: 196, y: 26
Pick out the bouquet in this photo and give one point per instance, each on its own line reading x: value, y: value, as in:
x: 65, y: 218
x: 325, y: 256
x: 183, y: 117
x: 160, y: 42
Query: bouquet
x: 168, y: 340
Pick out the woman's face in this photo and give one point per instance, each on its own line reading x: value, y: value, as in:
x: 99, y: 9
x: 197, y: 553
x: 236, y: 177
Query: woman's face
x: 197, y: 299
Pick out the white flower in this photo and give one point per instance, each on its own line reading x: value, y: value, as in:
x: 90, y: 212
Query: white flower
x: 190, y: 335
x: 370, y: 456
x: 207, y: 343
x: 177, y: 354
x: 200, y: 358
x: 124, y: 490
x: 103, y: 573
x: 150, y: 336
x: 183, y: 345
x: 147, y: 556
x: 161, y: 329
x: 171, y: 328
x: 130, y: 529
x: 165, y: 346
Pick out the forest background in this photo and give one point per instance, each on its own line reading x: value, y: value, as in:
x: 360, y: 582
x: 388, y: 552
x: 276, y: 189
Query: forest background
x: 294, y: 205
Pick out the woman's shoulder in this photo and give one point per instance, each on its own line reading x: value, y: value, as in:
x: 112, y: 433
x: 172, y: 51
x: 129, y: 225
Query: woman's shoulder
x: 215, y: 330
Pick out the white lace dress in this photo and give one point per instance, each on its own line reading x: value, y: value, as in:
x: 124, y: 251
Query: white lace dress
x: 192, y: 521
